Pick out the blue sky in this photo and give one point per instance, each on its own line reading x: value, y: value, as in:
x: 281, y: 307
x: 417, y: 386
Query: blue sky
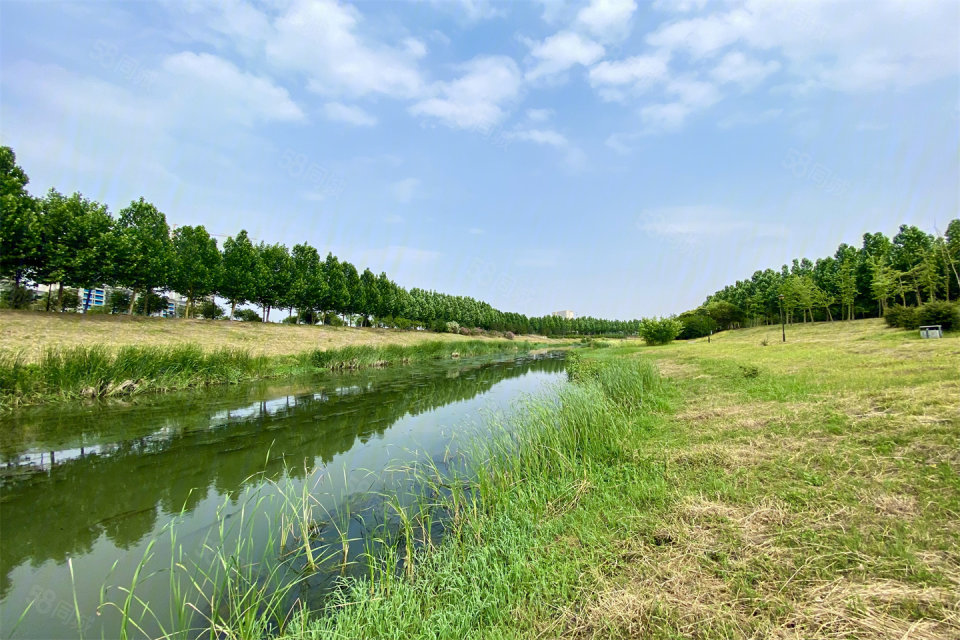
x: 618, y: 158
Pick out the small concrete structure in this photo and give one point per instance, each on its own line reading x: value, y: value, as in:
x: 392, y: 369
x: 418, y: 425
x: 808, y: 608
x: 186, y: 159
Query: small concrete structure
x: 931, y: 331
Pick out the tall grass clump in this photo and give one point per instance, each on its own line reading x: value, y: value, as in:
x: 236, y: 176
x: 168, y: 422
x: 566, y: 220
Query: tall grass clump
x: 97, y: 371
x: 363, y: 356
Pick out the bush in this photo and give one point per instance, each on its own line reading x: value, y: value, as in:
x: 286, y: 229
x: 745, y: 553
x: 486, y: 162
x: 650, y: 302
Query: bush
x: 119, y: 301
x: 210, y: 310
x: 290, y: 320
x: 902, y: 317
x: 452, y: 327
x: 509, y: 335
x: 660, y: 330
x: 14, y: 297
x: 696, y: 325
x: 946, y: 314
x: 247, y: 315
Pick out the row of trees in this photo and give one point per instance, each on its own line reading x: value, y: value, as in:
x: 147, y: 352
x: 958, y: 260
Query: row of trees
x: 910, y: 269
x: 72, y: 241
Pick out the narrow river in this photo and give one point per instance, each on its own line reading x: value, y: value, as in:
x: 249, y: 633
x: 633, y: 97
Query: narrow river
x: 98, y: 485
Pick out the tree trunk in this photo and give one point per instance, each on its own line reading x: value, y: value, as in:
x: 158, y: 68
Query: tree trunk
x: 146, y: 303
x: 233, y: 309
x: 133, y: 301
x: 48, y: 297
x: 60, y: 297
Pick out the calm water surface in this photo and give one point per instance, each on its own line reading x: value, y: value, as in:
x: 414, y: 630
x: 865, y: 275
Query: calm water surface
x: 95, y: 484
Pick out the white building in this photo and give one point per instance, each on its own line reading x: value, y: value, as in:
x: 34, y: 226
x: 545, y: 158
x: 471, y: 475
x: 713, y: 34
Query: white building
x: 566, y: 313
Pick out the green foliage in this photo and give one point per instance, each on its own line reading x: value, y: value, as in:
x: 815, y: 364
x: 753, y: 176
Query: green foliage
x: 451, y: 327
x: 657, y: 331
x: 239, y: 270
x: 144, y: 248
x: 118, y: 301
x: 696, y: 324
x: 946, y: 314
x: 196, y: 263
x: 70, y: 300
x: 150, y: 304
x: 210, y: 310
x: 19, y: 222
x: 247, y: 315
x: 13, y: 296
x: 902, y: 317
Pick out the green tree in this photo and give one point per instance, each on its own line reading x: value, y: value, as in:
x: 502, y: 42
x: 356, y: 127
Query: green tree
x: 76, y: 242
x: 274, y: 277
x: 144, y: 250
x: 19, y: 223
x: 307, y: 284
x: 369, y: 295
x: 239, y: 271
x: 196, y: 264
x: 337, y: 297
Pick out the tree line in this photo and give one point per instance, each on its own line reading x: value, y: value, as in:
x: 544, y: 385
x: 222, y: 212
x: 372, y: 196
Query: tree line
x: 72, y: 241
x: 912, y: 269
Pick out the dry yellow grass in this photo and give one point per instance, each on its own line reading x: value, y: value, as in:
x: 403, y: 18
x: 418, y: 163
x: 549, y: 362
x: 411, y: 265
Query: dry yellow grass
x: 30, y: 332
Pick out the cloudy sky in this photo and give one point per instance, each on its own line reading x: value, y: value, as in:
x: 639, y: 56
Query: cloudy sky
x: 618, y: 158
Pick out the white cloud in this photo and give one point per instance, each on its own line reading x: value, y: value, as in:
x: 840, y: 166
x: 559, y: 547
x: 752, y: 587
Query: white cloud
x: 541, y: 136
x: 737, y: 68
x: 474, y: 10
x: 690, y: 96
x: 205, y: 82
x: 693, y: 224
x: 405, y: 190
x: 539, y: 115
x: 618, y: 142
x: 838, y: 45
x: 608, y: 20
x: 320, y: 39
x: 339, y: 112
x: 573, y: 156
x: 475, y: 100
x: 562, y: 51
x: 639, y: 72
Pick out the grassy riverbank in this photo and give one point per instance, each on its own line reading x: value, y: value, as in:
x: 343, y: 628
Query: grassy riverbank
x: 807, y: 490
x: 69, y: 373
x: 31, y: 333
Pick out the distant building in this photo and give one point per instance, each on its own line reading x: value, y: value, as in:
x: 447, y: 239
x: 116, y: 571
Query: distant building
x: 92, y: 298
x: 566, y: 313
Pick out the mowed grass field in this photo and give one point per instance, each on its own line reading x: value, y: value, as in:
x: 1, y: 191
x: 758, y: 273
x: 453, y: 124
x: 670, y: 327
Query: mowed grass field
x: 813, y: 491
x: 30, y: 333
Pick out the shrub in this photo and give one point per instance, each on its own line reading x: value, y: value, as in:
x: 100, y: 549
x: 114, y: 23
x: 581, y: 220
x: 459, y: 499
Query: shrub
x: 290, y: 320
x: 696, y: 325
x: 464, y: 331
x: 119, y: 301
x: 509, y: 335
x: 452, y: 327
x: 210, y: 310
x: 902, y: 317
x: 946, y: 314
x: 14, y: 297
x: 660, y: 330
x: 247, y: 315
x: 333, y: 320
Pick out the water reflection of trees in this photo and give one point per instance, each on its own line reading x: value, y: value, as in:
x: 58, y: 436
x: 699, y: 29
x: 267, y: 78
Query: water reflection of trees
x: 183, y: 449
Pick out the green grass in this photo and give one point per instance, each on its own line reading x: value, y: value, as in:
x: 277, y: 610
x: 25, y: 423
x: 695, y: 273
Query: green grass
x: 97, y: 371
